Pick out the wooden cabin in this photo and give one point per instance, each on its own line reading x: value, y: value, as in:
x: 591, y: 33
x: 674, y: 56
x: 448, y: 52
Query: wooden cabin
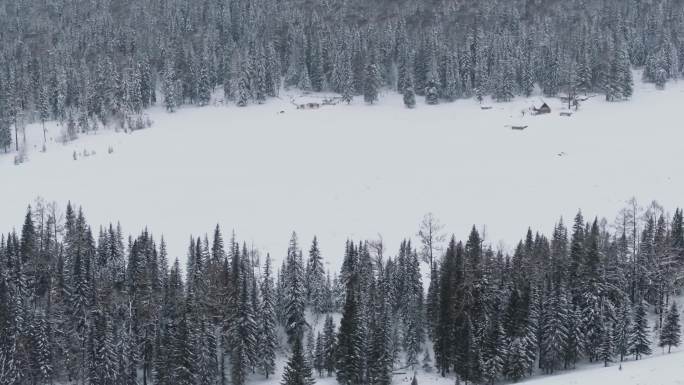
x: 544, y: 109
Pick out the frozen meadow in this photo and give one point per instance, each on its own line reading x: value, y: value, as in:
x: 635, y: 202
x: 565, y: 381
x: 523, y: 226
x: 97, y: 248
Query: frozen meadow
x: 361, y: 172
x: 358, y: 171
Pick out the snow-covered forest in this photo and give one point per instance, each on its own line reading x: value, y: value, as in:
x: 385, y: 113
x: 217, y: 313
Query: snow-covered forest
x: 466, y: 108
x: 80, y: 304
x: 89, y: 63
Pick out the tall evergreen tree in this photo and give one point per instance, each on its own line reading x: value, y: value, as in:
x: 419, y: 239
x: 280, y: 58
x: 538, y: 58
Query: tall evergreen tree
x: 671, y: 333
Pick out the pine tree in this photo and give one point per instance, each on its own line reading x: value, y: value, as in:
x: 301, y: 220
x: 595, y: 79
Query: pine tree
x: 40, y: 354
x: 348, y: 360
x: 297, y: 371
x: 315, y: 279
x: 182, y: 357
x: 493, y: 351
x: 295, y: 292
x: 347, y: 78
x: 204, y: 85
x: 243, y: 91
x: 310, y: 347
x: 671, y: 333
x: 169, y: 87
x: 267, y: 332
x: 413, y: 306
x: 409, y: 94
x: 379, y: 355
x: 623, y: 330
x: 607, y: 345
x: 449, y: 300
x: 640, y: 343
x: 5, y: 136
x: 432, y: 90
x: 554, y: 332
x: 319, y: 355
x: 371, y: 83
x: 329, y: 342
x: 516, y: 360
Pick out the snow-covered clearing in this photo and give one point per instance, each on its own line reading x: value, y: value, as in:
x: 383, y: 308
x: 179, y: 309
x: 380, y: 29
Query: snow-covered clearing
x: 358, y: 171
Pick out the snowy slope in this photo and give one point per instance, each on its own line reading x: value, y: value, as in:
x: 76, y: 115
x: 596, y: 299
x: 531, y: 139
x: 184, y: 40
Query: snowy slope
x: 667, y: 369
x: 358, y: 171
x: 659, y: 369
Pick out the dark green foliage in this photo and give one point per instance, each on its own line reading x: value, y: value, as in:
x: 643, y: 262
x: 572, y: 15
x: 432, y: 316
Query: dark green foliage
x: 372, y: 83
x: 671, y: 333
x: 431, y: 92
x: 95, y: 310
x: 297, y: 371
x: 640, y: 344
x: 409, y: 97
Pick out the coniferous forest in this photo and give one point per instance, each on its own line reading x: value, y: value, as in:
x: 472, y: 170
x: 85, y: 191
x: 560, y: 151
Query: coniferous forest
x: 89, y: 305
x: 91, y: 63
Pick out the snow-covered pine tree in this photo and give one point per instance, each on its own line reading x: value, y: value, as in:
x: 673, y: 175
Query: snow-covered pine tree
x: 409, y: 94
x: 243, y: 92
x: 607, y: 348
x: 449, y: 296
x: 493, y: 351
x: 623, y: 329
x: 412, y: 309
x: 267, y: 326
x: 315, y: 279
x: 330, y: 344
x: 640, y: 343
x: 319, y: 355
x: 169, y: 88
x: 554, y: 332
x: 310, y: 347
x: 516, y: 366
x: 297, y: 371
x: 372, y: 83
x: 431, y: 92
x: 294, y: 292
x: 380, y: 358
x: 671, y: 333
x: 348, y: 352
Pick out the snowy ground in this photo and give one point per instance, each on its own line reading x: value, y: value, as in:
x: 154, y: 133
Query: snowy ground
x: 358, y: 171
x: 667, y: 369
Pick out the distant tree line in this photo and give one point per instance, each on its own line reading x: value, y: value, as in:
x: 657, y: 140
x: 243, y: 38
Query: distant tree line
x: 96, y: 307
x: 87, y: 63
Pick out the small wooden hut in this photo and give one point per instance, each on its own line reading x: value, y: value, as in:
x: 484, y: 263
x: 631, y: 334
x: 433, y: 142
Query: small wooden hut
x: 544, y: 109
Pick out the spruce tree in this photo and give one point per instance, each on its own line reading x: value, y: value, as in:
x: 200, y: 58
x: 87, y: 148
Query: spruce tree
x: 671, y: 333
x: 409, y: 96
x: 623, y: 330
x: 348, y: 352
x: 640, y: 343
x: 431, y: 92
x: 319, y: 355
x: 330, y: 343
x: 315, y: 279
x: 297, y: 371
x: 371, y: 83
x: 294, y: 291
x: 607, y: 345
x: 267, y: 325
